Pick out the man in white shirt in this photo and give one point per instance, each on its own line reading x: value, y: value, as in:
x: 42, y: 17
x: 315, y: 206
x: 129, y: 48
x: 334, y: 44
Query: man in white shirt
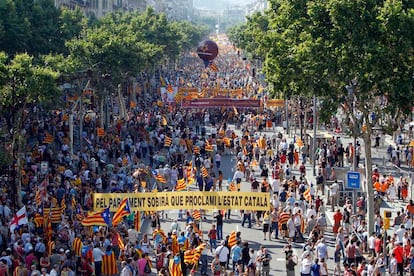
x: 322, y: 250
x: 222, y: 251
x: 400, y: 234
x: 98, y: 254
x: 334, y: 195
x: 371, y: 244
x: 305, y: 268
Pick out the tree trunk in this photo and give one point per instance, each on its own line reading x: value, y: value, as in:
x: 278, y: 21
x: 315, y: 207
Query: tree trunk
x: 368, y: 177
x: 103, y: 115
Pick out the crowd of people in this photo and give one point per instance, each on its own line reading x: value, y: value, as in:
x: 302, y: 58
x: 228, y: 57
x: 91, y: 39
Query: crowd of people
x: 158, y: 139
x: 58, y: 180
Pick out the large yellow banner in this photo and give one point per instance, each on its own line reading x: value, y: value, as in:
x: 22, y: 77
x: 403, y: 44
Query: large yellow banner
x: 185, y: 200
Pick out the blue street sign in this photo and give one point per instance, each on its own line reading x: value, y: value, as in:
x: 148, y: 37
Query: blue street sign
x: 353, y: 180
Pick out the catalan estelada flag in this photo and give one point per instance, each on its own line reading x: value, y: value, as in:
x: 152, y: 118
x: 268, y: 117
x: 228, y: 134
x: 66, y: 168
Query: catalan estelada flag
x: 204, y: 171
x: 122, y: 211
x: 109, y: 265
x: 167, y: 141
x: 48, y: 139
x: 232, y: 239
x: 180, y: 185
x: 158, y: 177
x: 175, y: 266
x: 101, y: 218
x: 121, y: 243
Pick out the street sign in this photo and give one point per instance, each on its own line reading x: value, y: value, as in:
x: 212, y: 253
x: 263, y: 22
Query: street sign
x: 353, y: 180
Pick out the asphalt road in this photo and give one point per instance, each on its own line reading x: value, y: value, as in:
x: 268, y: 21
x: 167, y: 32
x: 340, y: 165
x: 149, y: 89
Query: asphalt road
x: 255, y: 235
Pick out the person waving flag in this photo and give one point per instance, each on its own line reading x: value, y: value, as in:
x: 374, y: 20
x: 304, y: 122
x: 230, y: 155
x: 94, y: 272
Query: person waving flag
x: 123, y: 210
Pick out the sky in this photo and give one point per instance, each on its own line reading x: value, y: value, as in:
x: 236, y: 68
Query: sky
x: 219, y: 4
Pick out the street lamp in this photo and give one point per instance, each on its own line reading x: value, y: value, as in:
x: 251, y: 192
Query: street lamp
x: 351, y: 90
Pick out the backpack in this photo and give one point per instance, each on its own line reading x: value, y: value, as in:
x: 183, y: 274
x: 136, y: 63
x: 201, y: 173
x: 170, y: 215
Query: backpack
x: 147, y: 268
x: 302, y: 188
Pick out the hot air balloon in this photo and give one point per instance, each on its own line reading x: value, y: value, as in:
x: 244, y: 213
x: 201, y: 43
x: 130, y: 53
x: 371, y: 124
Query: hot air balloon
x: 207, y: 50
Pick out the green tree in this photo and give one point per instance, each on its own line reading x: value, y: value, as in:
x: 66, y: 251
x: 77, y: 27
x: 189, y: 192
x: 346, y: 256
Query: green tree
x: 22, y: 85
x: 323, y: 47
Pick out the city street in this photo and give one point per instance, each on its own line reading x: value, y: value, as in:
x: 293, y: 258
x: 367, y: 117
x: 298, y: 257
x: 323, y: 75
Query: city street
x: 255, y: 235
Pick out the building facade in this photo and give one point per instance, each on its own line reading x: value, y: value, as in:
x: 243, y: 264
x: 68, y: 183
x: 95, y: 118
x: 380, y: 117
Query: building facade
x: 174, y: 9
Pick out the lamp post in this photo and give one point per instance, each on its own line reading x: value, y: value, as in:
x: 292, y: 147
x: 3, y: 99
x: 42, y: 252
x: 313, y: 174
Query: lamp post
x: 314, y: 136
x: 351, y: 90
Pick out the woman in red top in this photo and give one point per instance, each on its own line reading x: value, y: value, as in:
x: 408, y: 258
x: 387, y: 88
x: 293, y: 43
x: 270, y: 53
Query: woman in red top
x: 378, y: 244
x: 407, y: 247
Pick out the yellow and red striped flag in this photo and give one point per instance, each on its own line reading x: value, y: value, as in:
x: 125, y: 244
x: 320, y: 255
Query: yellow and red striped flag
x: 307, y: 195
x: 100, y: 132
x: 196, y: 215
x: 54, y: 214
x: 62, y: 206
x: 213, y: 67
x: 232, y: 187
x: 283, y: 219
x: 73, y: 203
x: 38, y: 220
x: 232, y: 239
x: 159, y: 177
x: 122, y: 211
x: 167, y: 141
x: 197, y: 253
x: 189, y: 256
x: 180, y: 185
x: 120, y: 241
x: 48, y: 139
x: 204, y: 171
x: 100, y: 218
x: 109, y: 264
x: 39, y: 197
x: 175, y: 266
x: 137, y: 221
x: 77, y: 246
x: 208, y: 147
x: 298, y: 141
